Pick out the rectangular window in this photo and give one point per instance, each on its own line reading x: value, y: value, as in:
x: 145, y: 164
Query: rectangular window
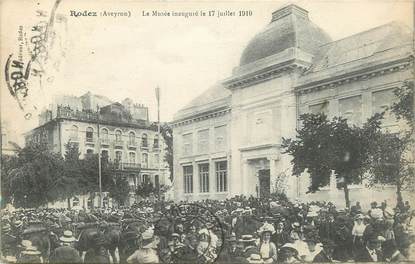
x: 220, y: 138
x: 188, y: 179
x: 321, y: 108
x: 203, y: 141
x: 221, y: 176
x: 351, y: 109
x: 204, y: 177
x: 144, y: 160
x: 187, y: 145
x: 145, y: 178
x: 381, y: 101
x: 131, y: 157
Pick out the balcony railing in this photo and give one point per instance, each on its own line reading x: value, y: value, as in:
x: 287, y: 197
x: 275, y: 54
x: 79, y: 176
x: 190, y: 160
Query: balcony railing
x: 119, y: 143
x: 126, y: 166
x: 89, y: 140
x: 132, y: 144
x: 105, y: 141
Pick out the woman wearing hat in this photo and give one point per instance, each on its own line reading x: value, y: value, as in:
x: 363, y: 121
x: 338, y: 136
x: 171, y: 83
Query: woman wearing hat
x: 288, y: 253
x: 66, y: 253
x: 357, y: 232
x: 267, y: 249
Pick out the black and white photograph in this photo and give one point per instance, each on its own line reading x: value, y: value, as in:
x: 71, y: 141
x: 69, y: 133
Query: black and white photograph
x: 234, y: 131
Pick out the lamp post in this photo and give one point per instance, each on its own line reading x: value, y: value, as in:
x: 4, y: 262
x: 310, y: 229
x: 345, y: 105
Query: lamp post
x: 159, y: 138
x: 99, y: 161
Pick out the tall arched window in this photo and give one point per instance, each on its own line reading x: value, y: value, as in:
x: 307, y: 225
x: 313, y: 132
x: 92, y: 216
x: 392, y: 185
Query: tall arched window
x: 144, y: 160
x: 118, y: 156
x: 156, y: 141
x: 131, y: 157
x: 118, y: 135
x: 144, y: 140
x: 73, y: 134
x: 104, y: 135
x: 131, y: 138
x: 89, y: 135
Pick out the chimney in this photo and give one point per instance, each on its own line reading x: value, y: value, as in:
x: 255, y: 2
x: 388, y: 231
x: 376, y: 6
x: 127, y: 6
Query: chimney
x: 288, y: 10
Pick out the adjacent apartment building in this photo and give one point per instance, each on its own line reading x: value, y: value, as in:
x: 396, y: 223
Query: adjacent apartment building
x: 122, y: 132
x: 227, y: 141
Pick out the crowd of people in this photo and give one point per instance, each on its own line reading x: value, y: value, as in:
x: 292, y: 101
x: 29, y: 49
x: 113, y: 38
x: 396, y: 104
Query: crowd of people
x: 236, y: 230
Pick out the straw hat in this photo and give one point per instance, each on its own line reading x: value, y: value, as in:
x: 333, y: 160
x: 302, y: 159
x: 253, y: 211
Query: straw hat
x: 295, y: 225
x: 255, y: 258
x: 67, y: 237
x: 247, y: 239
x: 29, y: 249
x: 266, y: 227
x: 359, y: 216
x: 312, y: 214
x: 5, y: 228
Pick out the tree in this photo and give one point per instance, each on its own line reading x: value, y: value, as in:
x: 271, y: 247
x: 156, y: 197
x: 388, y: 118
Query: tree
x: 34, y: 176
x: 393, y: 159
x: 119, y: 189
x: 145, y: 189
x: 7, y: 164
x: 325, y: 146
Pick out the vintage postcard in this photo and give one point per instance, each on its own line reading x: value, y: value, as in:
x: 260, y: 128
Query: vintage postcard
x: 207, y: 131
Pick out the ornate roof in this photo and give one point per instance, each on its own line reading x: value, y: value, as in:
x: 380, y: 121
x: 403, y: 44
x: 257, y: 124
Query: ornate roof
x: 290, y: 27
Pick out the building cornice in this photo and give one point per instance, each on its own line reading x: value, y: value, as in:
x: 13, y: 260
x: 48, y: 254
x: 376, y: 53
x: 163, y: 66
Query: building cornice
x: 264, y: 74
x: 108, y: 123
x: 357, y: 75
x: 256, y: 147
x: 202, y: 116
x: 268, y: 68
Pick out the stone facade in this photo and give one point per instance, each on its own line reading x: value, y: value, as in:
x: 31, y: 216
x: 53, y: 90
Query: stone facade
x: 289, y: 68
x: 127, y: 139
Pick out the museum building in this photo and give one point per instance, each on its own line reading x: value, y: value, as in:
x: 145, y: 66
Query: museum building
x: 227, y: 141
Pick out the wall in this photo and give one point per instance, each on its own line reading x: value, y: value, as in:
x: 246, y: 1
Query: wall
x: 210, y: 154
x: 261, y: 115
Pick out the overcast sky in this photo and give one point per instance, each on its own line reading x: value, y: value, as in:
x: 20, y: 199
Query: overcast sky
x: 128, y: 57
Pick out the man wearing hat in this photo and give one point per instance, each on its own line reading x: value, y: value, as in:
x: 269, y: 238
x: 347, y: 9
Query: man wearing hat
x: 372, y: 252
x: 8, y: 240
x: 343, y: 239
x: 147, y: 252
x: 326, y: 254
x: 231, y: 253
x: 66, y: 253
x: 249, y: 246
x: 29, y: 253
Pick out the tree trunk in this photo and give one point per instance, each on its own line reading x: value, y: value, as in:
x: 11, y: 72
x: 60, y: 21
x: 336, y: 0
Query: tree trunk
x: 69, y: 203
x: 346, y: 195
x: 399, y: 199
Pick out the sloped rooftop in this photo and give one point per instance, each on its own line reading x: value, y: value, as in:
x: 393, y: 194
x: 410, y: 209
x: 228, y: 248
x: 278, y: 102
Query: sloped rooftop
x: 215, y: 97
x: 359, y: 51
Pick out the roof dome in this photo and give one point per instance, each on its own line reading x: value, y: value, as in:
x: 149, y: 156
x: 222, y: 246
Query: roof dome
x: 290, y: 27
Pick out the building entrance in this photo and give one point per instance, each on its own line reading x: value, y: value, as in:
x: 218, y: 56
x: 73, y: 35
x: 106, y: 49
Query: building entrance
x: 264, y: 183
